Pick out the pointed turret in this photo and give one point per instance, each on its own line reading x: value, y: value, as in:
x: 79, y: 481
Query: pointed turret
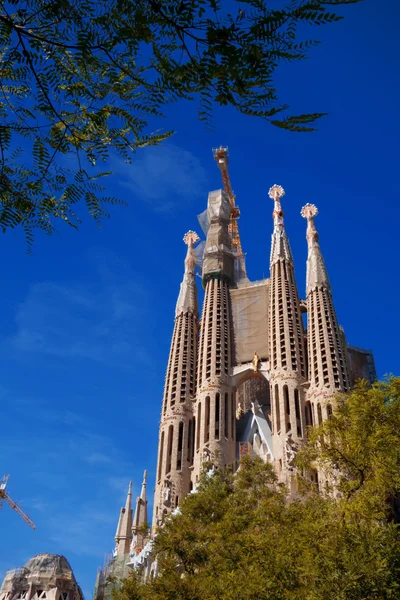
x: 328, y: 373
x: 280, y: 247
x: 187, y: 299
x: 176, y: 441
x: 140, y: 519
x: 123, y: 536
x: 286, y: 342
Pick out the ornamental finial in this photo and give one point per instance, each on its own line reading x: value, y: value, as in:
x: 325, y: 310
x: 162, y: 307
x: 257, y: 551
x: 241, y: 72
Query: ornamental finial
x: 276, y: 192
x: 309, y: 211
x: 190, y: 238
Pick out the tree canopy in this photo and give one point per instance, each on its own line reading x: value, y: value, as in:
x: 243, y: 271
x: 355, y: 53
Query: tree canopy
x: 80, y: 79
x: 241, y: 538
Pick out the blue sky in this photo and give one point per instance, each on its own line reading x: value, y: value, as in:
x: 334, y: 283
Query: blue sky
x: 86, y: 320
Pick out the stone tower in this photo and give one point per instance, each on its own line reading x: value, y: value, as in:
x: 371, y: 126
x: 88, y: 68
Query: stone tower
x: 238, y: 381
x: 178, y: 424
x: 140, y: 519
x: 215, y: 439
x: 287, y: 347
x: 123, y: 536
x: 328, y: 369
x: 43, y: 577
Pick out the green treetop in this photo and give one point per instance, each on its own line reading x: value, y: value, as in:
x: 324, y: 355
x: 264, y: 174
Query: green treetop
x: 240, y: 537
x: 82, y: 78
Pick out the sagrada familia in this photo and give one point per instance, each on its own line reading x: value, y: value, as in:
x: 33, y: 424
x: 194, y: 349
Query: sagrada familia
x: 247, y: 377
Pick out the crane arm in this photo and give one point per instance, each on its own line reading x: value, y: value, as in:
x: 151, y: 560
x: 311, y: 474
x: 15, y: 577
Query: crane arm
x: 221, y: 157
x: 4, y: 496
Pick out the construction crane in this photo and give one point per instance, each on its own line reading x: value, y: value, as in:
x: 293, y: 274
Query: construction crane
x: 4, y: 496
x: 221, y: 156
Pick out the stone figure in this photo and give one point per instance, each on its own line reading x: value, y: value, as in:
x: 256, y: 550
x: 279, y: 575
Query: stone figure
x: 166, y: 493
x: 291, y: 449
x: 255, y: 362
x: 239, y: 410
x: 206, y: 455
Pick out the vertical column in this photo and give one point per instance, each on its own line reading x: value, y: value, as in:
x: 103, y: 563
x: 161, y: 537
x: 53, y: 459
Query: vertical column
x: 177, y: 427
x: 328, y: 371
x: 215, y: 437
x: 287, y: 350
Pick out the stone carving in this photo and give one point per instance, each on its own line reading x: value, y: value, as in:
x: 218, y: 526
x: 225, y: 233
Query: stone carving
x: 190, y: 238
x: 291, y: 449
x: 206, y: 455
x: 167, y: 493
x: 256, y: 362
x: 276, y: 192
x: 239, y: 410
x: 309, y: 211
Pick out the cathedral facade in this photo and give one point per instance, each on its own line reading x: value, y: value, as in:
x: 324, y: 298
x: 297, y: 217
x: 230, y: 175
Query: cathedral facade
x: 247, y: 377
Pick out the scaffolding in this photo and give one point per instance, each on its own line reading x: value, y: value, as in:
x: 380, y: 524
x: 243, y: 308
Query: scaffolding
x: 221, y: 156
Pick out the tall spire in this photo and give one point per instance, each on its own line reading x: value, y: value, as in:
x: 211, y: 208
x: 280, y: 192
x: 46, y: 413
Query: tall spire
x: 280, y: 247
x: 187, y: 299
x: 316, y: 269
x: 328, y: 372
x: 140, y: 518
x: 176, y: 441
x: 143, y: 490
x: 123, y: 535
x: 286, y: 344
x: 215, y: 400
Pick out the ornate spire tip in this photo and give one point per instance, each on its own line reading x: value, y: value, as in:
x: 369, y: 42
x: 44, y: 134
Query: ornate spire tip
x: 190, y: 238
x: 276, y: 192
x: 309, y: 211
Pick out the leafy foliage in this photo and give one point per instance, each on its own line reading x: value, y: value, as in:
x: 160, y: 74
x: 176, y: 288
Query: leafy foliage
x: 79, y: 78
x: 241, y: 538
x: 358, y: 449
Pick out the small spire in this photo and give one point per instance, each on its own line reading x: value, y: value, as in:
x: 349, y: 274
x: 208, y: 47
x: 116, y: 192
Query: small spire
x: 129, y: 497
x: 123, y: 535
x: 187, y: 299
x: 317, y: 275
x: 190, y: 238
x: 280, y: 248
x: 143, y: 490
x: 140, y: 518
x: 276, y: 192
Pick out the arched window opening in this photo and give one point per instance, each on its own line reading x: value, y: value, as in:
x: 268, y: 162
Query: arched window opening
x: 329, y: 410
x: 319, y: 411
x: 309, y: 420
x: 189, y: 440
x: 297, y: 410
x: 286, y: 399
x: 253, y: 389
x: 180, y: 444
x: 226, y: 416
x: 207, y: 420
x: 160, y: 458
x: 198, y: 426
x: 217, y: 407
x: 278, y: 416
x: 169, y: 448
x: 233, y: 416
